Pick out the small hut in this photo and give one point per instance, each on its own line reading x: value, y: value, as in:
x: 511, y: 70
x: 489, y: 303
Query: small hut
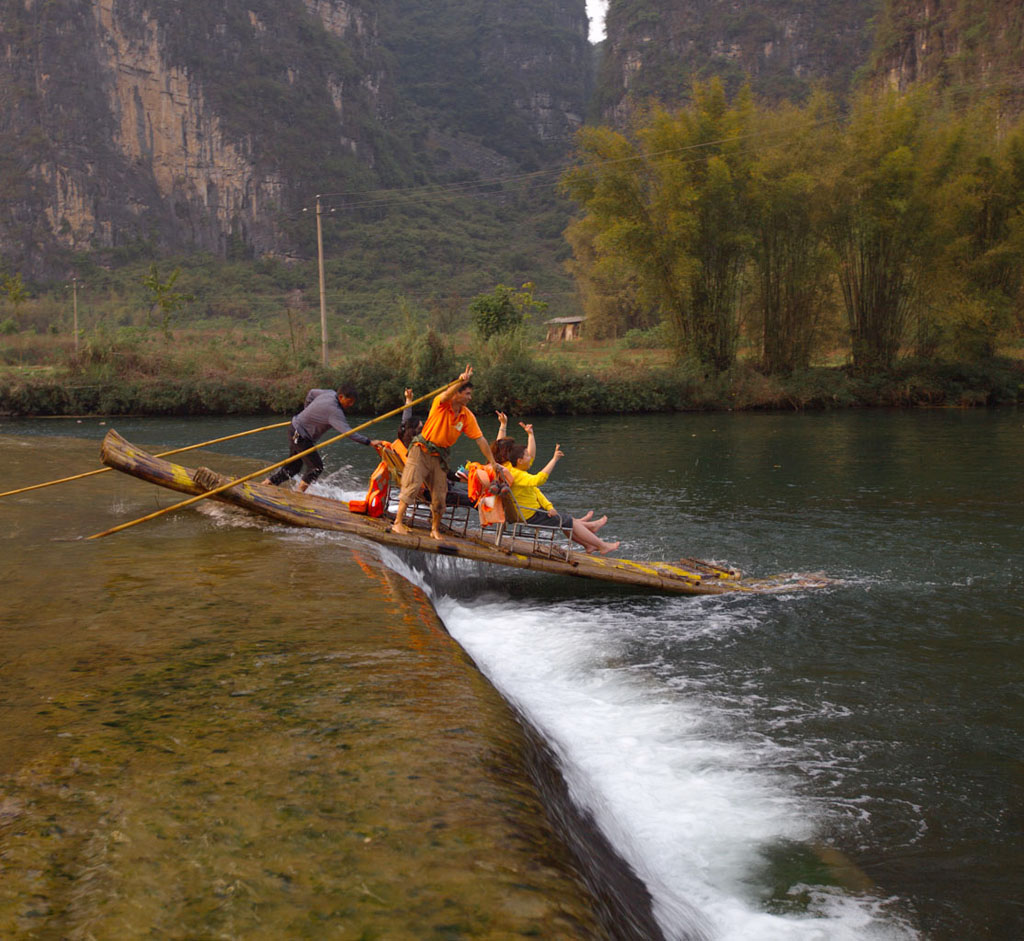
x: 564, y: 328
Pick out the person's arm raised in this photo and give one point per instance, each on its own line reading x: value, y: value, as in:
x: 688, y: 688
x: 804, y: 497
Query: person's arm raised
x: 531, y: 441
x: 467, y: 374
x: 550, y: 466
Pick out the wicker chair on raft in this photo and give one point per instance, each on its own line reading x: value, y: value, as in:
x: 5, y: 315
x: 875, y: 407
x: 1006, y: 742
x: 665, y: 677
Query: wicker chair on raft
x: 490, y: 496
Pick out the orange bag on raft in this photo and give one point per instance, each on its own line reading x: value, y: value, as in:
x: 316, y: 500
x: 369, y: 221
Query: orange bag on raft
x: 484, y: 487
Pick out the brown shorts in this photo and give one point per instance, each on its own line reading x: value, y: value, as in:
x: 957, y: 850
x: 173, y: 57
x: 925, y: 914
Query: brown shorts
x: 423, y: 469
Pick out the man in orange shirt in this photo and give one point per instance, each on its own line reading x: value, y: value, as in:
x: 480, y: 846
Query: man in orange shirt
x: 428, y: 453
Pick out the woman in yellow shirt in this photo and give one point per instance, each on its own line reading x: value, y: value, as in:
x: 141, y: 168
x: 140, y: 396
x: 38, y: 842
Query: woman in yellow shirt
x: 537, y: 508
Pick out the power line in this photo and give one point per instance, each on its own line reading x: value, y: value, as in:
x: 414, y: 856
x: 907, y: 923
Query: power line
x: 492, y: 186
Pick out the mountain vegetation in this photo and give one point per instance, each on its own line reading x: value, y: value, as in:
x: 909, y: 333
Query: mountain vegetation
x: 778, y: 185
x: 783, y: 49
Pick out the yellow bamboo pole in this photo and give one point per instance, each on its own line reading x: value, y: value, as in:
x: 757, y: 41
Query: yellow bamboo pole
x: 264, y: 470
x: 103, y: 470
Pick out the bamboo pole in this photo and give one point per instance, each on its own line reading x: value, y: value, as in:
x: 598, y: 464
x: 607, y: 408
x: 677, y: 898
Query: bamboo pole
x: 264, y: 470
x: 103, y: 470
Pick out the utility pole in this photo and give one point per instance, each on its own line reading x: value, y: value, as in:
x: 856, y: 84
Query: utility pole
x: 74, y: 306
x: 323, y: 296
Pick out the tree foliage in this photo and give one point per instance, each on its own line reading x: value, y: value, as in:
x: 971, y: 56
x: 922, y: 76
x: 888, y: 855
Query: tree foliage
x: 17, y: 294
x: 669, y: 205
x: 607, y: 286
x: 503, y: 310
x: 879, y: 224
x: 904, y: 221
x: 792, y: 265
x: 163, y: 297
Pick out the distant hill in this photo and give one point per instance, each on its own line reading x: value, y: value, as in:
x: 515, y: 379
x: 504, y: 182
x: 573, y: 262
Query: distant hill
x: 656, y: 49
x: 136, y: 129
x: 153, y: 126
x: 970, y: 50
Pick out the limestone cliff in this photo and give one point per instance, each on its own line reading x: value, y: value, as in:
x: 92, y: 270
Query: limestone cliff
x: 971, y: 48
x: 656, y: 48
x: 173, y: 124
x: 160, y: 125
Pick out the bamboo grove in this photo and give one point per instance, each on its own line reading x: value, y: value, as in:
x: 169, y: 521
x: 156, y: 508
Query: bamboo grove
x: 896, y: 228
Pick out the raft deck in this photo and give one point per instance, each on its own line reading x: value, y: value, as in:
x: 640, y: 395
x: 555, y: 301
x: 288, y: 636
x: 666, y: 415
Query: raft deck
x: 510, y: 546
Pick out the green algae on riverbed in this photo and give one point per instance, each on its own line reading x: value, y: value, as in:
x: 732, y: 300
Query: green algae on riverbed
x: 221, y: 732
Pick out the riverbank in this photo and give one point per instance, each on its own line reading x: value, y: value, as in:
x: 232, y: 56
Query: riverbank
x: 194, y: 374
x: 605, y: 392
x: 540, y: 390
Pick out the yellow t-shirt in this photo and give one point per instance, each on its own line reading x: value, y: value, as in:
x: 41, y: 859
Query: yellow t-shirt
x: 525, y: 490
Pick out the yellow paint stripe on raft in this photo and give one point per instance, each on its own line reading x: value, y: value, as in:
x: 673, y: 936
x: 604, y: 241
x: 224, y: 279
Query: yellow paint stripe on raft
x: 629, y: 563
x: 181, y: 477
x: 677, y: 571
x: 656, y: 569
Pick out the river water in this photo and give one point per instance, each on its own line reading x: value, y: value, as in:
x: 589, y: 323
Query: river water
x: 838, y: 763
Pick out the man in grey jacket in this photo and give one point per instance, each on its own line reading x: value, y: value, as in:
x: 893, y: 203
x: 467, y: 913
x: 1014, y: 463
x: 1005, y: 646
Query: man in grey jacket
x: 324, y: 409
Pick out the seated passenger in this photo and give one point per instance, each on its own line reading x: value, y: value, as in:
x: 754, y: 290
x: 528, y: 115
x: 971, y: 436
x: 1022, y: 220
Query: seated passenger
x: 536, y: 507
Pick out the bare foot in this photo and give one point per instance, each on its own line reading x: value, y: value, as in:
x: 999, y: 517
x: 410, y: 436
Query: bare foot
x: 435, y: 534
x: 399, y: 528
x: 266, y: 480
x: 609, y: 547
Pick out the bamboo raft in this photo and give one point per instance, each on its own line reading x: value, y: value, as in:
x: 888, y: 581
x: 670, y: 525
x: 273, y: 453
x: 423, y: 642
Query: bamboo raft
x: 516, y: 546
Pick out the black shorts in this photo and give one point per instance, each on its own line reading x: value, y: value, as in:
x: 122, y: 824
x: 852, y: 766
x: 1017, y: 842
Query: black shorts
x: 541, y: 518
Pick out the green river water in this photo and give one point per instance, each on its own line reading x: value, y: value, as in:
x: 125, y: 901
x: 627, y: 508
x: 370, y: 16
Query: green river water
x: 218, y: 728
x: 212, y: 731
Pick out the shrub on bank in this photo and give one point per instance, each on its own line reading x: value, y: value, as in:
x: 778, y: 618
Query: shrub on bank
x: 522, y: 386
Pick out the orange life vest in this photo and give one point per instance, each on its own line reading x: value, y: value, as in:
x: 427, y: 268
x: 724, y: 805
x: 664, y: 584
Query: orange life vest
x: 376, y: 499
x: 484, y: 486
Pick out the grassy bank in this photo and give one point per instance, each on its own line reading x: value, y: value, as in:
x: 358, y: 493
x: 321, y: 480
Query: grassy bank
x: 228, y: 372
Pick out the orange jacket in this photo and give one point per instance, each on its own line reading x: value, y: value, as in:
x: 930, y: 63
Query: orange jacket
x: 376, y: 499
x: 484, y: 486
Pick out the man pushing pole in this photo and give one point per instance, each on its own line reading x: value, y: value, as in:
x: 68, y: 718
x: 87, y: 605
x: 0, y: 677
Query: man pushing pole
x: 427, y: 463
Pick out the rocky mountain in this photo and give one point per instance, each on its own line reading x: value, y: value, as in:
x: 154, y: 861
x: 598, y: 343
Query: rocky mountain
x: 208, y: 124
x: 970, y: 48
x: 656, y: 48
x: 132, y: 128
x: 512, y: 77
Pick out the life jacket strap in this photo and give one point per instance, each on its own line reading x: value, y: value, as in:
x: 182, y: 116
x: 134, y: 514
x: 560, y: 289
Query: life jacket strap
x: 442, y: 454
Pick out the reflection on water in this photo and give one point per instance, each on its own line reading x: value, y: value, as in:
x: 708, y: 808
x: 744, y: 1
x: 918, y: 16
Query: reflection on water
x: 221, y: 732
